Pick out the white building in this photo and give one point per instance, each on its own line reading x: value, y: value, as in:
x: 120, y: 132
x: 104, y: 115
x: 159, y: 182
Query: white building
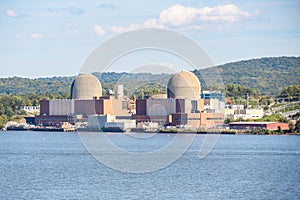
x: 121, y: 125
x: 97, y: 122
x: 214, y: 104
x: 32, y: 108
x: 244, y: 113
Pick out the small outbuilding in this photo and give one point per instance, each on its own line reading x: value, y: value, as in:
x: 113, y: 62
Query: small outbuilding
x: 258, y: 125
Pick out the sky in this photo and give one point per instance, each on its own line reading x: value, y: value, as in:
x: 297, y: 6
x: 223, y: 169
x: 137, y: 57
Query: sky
x: 53, y: 38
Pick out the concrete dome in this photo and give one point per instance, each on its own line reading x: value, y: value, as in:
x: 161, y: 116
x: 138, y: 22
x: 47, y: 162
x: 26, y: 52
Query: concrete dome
x: 184, y: 85
x: 86, y: 86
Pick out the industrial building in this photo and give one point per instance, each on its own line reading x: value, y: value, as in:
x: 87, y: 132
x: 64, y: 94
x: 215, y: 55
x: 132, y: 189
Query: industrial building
x: 107, y: 121
x: 86, y: 99
x: 258, y: 125
x: 238, y: 112
x: 182, y: 106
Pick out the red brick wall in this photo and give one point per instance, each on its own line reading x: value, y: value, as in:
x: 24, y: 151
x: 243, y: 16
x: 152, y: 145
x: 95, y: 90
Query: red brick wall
x: 99, y: 107
x: 274, y: 126
x: 179, y: 118
x: 211, y: 119
x: 44, y: 107
x: 141, y: 107
x: 87, y: 107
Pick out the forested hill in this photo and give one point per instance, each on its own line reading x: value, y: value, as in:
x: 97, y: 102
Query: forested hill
x: 268, y: 75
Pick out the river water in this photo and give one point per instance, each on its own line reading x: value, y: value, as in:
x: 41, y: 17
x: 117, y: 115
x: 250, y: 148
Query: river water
x: 47, y: 165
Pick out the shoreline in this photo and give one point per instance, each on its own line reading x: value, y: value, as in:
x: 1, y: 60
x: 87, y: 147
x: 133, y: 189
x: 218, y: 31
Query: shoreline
x: 231, y: 132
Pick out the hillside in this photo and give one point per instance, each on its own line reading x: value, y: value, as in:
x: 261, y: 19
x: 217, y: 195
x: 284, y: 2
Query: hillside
x: 268, y: 75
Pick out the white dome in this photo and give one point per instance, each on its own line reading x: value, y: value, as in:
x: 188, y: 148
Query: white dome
x: 86, y: 86
x: 184, y: 85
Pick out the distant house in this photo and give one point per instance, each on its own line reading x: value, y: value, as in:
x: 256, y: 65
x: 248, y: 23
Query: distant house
x: 32, y: 108
x: 258, y: 125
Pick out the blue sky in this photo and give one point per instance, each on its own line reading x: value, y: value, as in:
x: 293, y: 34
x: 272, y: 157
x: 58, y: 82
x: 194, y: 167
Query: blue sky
x: 52, y: 38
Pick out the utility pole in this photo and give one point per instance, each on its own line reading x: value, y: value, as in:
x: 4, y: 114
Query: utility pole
x: 247, y: 96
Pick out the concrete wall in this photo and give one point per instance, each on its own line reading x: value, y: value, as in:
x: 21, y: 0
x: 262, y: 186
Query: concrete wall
x: 61, y: 107
x: 160, y: 107
x: 128, y: 124
x: 117, y: 108
x: 184, y: 106
x: 96, y: 122
x: 119, y: 92
x: 201, y: 104
x: 86, y: 107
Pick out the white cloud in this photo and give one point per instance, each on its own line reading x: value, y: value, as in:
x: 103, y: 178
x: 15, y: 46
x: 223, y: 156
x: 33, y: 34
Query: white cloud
x: 151, y: 23
x: 121, y: 29
x: 227, y: 13
x: 11, y: 13
x: 188, y: 18
x: 36, y: 35
x: 99, y: 30
x: 179, y: 15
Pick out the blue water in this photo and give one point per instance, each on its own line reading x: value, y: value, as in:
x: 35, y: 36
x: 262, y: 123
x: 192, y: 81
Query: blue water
x: 42, y: 165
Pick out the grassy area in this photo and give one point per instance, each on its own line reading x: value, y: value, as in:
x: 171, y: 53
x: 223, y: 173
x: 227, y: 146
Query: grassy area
x: 272, y: 118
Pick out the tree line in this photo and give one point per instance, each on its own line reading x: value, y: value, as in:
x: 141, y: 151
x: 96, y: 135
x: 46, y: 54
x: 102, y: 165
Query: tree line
x: 267, y: 75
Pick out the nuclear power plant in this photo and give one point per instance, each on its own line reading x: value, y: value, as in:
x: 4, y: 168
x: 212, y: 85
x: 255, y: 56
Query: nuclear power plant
x: 181, y: 107
x: 86, y: 100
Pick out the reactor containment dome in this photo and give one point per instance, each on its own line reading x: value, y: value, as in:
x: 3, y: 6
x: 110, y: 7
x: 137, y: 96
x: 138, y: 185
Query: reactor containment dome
x: 184, y: 85
x: 86, y: 87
